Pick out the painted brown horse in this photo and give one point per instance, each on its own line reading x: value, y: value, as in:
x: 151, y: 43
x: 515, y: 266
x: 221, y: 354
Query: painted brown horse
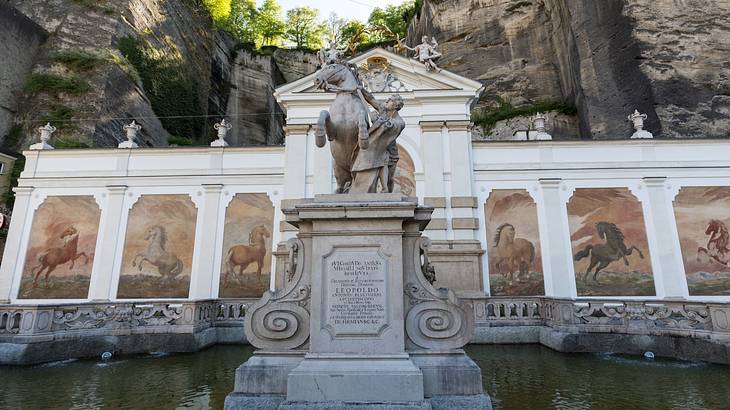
x: 53, y: 257
x: 243, y: 255
x: 604, y: 254
x: 517, y: 254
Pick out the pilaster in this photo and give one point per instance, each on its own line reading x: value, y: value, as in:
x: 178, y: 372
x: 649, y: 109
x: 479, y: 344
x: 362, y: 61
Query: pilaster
x: 203, y: 276
x: 433, y: 172
x: 462, y: 205
x: 102, y: 277
x: 557, y: 260
x: 295, y: 168
x: 21, y: 216
x: 669, y: 264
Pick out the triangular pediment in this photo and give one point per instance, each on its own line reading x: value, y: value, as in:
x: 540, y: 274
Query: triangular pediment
x: 384, y: 71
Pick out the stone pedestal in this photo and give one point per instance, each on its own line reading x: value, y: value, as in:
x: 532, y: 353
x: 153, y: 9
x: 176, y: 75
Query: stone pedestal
x: 357, y: 324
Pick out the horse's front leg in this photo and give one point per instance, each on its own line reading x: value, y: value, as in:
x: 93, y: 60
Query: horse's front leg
x: 37, y: 275
x: 142, y: 261
x: 134, y: 261
x: 324, y: 129
x: 362, y: 132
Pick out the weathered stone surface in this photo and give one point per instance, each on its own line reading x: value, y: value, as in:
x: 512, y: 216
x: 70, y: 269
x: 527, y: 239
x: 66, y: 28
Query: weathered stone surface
x: 256, y: 117
x: 295, y: 64
x: 608, y: 57
x: 21, y: 40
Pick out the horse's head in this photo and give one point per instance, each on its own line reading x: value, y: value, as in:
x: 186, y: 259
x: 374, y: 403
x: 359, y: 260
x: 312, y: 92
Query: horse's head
x: 70, y: 231
x: 154, y: 232
x: 258, y: 233
x: 334, y: 74
x: 602, y: 229
x: 713, y: 227
x: 506, y: 231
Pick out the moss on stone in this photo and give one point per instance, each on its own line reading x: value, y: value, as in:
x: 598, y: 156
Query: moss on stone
x: 488, y: 118
x: 170, y: 86
x: 53, y: 83
x: 174, y: 140
x: 78, y: 61
x: 69, y: 143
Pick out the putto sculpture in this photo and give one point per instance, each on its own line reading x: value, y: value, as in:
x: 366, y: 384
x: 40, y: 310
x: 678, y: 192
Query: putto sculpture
x: 426, y: 53
x: 364, y: 155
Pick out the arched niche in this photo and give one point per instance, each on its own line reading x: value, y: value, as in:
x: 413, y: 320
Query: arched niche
x: 513, y: 241
x: 607, y: 230
x: 245, y: 270
x: 61, y: 249
x: 158, y: 247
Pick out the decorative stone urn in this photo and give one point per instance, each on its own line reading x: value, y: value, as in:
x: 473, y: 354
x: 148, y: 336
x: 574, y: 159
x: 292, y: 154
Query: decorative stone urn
x: 358, y: 323
x: 538, y: 122
x: 46, y: 132
x: 222, y: 127
x: 637, y: 119
x: 131, y: 131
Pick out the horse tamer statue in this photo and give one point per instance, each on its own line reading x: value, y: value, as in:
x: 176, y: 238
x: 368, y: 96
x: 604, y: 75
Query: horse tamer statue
x: 364, y: 155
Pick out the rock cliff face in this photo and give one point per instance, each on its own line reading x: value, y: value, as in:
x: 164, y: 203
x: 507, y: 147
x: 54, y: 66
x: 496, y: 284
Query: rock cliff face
x: 90, y: 67
x: 667, y: 58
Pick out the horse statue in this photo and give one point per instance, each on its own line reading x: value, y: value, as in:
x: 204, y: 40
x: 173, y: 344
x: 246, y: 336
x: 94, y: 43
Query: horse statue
x: 243, y: 255
x: 517, y: 253
x: 53, y: 257
x: 604, y: 254
x: 346, y: 123
x: 717, y: 245
x: 167, y: 263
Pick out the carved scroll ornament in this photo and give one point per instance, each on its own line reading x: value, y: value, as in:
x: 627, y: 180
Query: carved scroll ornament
x: 280, y: 320
x: 436, y: 319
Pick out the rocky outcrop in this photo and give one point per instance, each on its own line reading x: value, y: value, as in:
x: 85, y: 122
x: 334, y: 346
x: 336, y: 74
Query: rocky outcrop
x: 295, y: 64
x: 21, y: 40
x: 256, y: 117
x: 607, y: 57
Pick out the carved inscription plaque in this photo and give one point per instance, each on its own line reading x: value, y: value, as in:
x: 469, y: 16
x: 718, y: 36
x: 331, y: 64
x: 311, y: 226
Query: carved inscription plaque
x: 357, y: 293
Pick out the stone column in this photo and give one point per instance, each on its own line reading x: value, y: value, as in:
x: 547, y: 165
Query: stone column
x: 464, y: 222
x: 669, y: 274
x: 433, y: 173
x: 295, y: 168
x: 555, y: 241
x: 202, y: 280
x: 18, y: 222
x: 322, y: 164
x: 101, y: 279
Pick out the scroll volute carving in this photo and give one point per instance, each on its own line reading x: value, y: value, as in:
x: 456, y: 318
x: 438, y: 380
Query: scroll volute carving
x: 436, y: 319
x: 279, y: 321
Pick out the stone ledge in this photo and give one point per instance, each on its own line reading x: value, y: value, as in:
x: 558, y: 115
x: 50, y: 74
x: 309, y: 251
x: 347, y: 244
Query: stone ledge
x: 435, y: 201
x: 464, y: 202
x: 465, y: 223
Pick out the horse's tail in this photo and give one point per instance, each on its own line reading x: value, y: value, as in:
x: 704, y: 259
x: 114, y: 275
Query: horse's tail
x: 582, y: 254
x: 532, y: 253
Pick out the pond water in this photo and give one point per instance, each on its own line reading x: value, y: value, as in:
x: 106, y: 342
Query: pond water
x: 516, y: 377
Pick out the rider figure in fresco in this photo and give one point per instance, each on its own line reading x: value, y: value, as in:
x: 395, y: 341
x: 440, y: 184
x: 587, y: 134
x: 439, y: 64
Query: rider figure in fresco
x: 378, y: 155
x: 426, y: 53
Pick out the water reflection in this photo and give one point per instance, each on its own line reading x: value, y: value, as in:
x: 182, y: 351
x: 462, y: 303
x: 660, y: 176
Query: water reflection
x: 517, y: 377
x: 534, y: 377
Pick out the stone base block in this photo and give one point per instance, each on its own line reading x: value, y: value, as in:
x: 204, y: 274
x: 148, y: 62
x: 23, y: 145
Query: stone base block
x: 240, y: 401
x: 237, y: 401
x: 357, y: 379
x: 265, y: 373
x: 473, y: 402
x: 340, y: 405
x: 450, y: 373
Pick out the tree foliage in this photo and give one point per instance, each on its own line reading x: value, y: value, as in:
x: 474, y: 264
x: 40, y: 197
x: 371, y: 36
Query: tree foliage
x: 242, y: 21
x: 303, y: 27
x: 395, y: 19
x: 269, y: 24
x: 220, y: 11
